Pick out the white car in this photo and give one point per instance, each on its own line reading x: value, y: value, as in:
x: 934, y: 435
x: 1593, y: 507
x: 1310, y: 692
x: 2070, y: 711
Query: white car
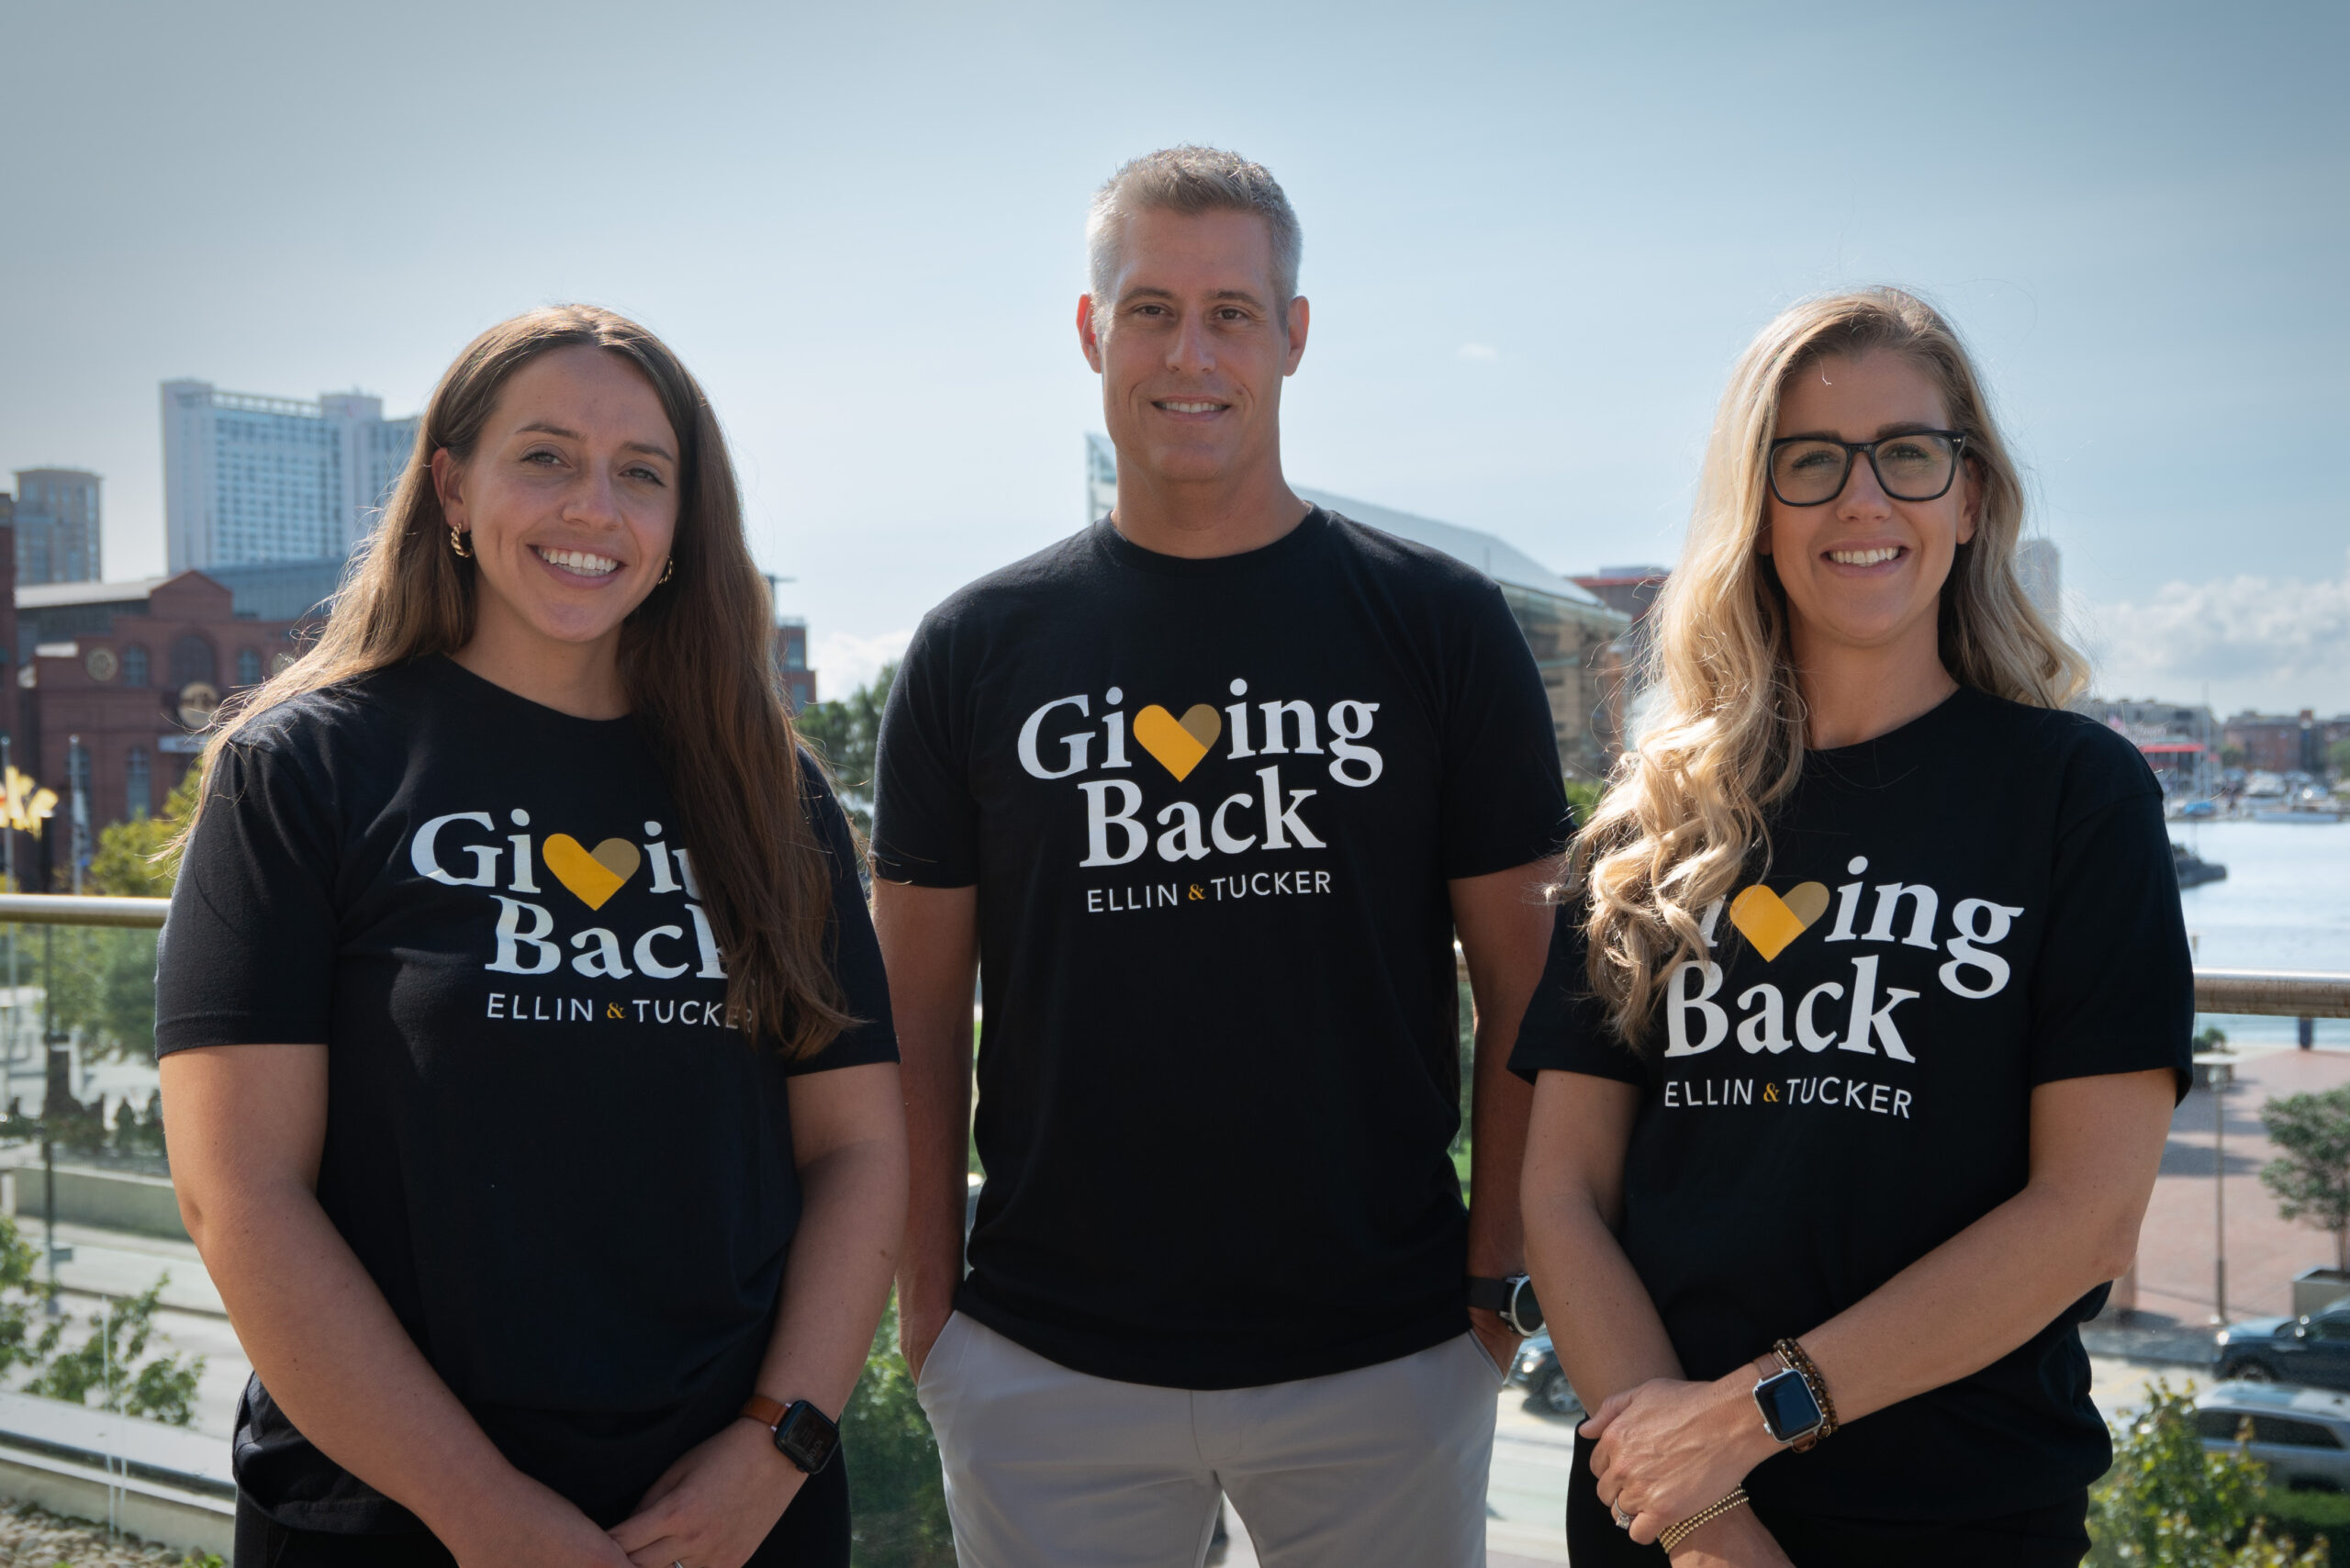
x: 2303, y: 1435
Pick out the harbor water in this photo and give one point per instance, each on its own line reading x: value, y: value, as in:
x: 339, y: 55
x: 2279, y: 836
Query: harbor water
x: 2284, y: 905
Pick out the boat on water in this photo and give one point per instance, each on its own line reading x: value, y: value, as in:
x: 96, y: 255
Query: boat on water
x: 2193, y: 870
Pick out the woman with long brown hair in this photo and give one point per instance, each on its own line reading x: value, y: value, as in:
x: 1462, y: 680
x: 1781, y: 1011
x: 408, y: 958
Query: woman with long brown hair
x: 525, y: 1048
x: 1866, y: 1011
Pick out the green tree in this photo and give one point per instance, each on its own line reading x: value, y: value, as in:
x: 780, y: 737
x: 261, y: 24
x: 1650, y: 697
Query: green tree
x: 1584, y: 794
x: 113, y: 1360
x: 104, y: 979
x: 139, y: 859
x: 2168, y: 1502
x: 2312, y: 1182
x: 2338, y: 754
x: 897, y: 1492
x: 845, y: 732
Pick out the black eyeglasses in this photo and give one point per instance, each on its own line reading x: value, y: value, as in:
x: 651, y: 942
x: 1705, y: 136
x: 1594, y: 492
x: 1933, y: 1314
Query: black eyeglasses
x: 1917, y: 466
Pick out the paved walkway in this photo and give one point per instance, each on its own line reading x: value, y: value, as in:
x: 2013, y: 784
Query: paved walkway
x: 2175, y: 1277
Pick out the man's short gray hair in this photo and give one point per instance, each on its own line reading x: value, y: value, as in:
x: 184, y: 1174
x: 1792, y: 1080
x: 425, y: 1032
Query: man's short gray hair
x: 1192, y: 180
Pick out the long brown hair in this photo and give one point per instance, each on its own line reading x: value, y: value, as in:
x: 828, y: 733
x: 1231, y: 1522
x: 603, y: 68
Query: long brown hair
x: 696, y: 658
x: 1689, y: 804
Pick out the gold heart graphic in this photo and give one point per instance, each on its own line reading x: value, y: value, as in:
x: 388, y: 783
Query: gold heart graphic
x: 1771, y: 922
x: 1178, y: 743
x: 593, y: 876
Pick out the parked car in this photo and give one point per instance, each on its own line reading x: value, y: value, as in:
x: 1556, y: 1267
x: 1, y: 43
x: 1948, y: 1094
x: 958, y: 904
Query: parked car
x: 2313, y: 1350
x: 2303, y: 1435
x: 1545, y: 1380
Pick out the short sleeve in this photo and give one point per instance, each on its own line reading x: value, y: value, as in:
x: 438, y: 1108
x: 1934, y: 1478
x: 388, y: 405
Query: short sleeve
x: 2114, y: 987
x: 856, y: 953
x: 1504, y: 801
x: 1566, y: 1028
x: 926, y: 820
x: 248, y: 951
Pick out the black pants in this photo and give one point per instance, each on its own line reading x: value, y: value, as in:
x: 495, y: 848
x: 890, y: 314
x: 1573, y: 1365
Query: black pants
x: 812, y: 1533
x: 2054, y: 1537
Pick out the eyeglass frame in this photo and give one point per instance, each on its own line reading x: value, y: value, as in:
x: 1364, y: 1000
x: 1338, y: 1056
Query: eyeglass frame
x: 1770, y: 465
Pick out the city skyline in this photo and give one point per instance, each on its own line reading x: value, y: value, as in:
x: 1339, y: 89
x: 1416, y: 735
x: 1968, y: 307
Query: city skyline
x: 1535, y: 239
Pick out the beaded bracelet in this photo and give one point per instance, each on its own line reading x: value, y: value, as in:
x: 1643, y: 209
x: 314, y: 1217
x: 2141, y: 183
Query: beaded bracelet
x: 1799, y: 1361
x: 1675, y: 1534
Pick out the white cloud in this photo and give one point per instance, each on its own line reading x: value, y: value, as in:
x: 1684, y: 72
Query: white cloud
x: 2279, y: 645
x: 844, y: 661
x: 1477, y: 351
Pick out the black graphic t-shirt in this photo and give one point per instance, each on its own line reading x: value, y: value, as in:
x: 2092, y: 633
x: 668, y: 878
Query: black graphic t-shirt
x: 1973, y: 904
x: 1211, y: 807
x: 572, y: 1180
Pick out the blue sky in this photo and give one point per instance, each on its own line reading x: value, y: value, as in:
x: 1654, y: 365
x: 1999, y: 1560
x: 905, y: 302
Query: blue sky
x: 1535, y: 239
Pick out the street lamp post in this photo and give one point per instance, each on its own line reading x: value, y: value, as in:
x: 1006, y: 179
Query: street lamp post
x: 2217, y: 1070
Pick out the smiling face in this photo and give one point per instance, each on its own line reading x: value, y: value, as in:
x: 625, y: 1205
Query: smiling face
x: 569, y: 500
x: 1191, y: 348
x: 1865, y: 570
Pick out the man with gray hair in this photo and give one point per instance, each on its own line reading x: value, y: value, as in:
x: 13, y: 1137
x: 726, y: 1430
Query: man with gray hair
x: 1205, y: 793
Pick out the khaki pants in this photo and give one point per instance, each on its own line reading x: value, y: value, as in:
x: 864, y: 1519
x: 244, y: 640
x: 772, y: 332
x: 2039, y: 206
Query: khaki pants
x: 1049, y: 1468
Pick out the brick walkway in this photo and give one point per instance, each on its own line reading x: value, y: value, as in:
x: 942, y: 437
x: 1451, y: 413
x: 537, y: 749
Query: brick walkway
x: 2175, y: 1248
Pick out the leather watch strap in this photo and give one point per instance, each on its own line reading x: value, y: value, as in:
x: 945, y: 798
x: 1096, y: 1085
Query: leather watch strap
x: 768, y: 1413
x: 1489, y: 1295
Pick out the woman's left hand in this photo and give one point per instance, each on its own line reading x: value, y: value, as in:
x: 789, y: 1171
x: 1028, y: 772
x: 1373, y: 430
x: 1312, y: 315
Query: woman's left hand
x: 1668, y: 1450
x: 713, y: 1507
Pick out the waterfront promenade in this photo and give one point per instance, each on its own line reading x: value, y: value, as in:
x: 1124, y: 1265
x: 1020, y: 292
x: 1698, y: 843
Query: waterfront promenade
x: 2176, y: 1246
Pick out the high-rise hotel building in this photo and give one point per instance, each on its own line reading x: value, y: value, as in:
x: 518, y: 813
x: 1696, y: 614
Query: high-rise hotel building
x: 56, y: 519
x: 250, y: 479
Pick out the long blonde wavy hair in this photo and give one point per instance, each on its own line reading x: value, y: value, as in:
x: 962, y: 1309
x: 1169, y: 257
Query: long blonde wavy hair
x: 1686, y: 814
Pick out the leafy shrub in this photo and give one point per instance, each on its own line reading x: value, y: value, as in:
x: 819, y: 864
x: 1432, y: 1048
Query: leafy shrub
x: 2310, y: 1518
x: 113, y: 1361
x: 2167, y: 1503
x: 161, y: 1388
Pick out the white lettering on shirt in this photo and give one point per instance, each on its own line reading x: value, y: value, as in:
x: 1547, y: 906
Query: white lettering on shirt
x: 421, y: 853
x: 1077, y: 743
x: 1679, y: 1003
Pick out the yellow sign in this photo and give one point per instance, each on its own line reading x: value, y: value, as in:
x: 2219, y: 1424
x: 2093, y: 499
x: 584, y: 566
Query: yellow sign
x: 26, y: 805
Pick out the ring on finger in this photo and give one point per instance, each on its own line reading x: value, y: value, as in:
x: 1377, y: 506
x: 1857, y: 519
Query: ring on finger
x: 1623, y: 1520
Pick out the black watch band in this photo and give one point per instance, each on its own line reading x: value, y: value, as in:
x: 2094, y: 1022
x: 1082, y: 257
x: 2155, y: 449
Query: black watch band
x: 1512, y: 1299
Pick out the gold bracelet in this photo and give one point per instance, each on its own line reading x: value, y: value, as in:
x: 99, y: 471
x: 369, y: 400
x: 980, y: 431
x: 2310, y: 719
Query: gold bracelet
x: 1675, y: 1534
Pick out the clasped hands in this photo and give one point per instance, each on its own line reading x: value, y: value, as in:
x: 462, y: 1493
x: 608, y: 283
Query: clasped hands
x: 1669, y: 1450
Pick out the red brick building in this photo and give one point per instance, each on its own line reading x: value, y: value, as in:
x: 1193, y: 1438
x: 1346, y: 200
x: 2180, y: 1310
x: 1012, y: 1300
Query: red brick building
x: 118, y: 706
x: 2286, y: 744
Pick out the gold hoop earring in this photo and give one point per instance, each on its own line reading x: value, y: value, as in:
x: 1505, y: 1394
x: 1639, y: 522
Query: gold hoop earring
x: 457, y: 542
x: 668, y: 570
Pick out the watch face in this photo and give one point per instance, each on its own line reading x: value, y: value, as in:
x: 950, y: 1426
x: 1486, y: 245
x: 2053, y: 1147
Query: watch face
x: 1524, y: 1312
x: 807, y: 1438
x: 1788, y: 1409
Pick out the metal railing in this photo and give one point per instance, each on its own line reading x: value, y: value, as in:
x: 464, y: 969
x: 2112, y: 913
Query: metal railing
x: 70, y: 909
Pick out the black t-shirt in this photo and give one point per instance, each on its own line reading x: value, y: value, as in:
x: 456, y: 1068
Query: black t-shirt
x: 1976, y: 904
x: 574, y: 1184
x: 1211, y: 807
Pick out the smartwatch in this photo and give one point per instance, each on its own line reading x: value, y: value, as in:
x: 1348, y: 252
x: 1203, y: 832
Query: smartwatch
x: 1791, y: 1414
x: 803, y: 1434
x: 1512, y: 1299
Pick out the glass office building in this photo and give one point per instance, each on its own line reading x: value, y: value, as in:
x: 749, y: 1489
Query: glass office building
x: 56, y: 519
x: 250, y: 479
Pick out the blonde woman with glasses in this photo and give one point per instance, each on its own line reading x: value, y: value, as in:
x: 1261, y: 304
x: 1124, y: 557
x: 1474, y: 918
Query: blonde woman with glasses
x: 1866, y: 1011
